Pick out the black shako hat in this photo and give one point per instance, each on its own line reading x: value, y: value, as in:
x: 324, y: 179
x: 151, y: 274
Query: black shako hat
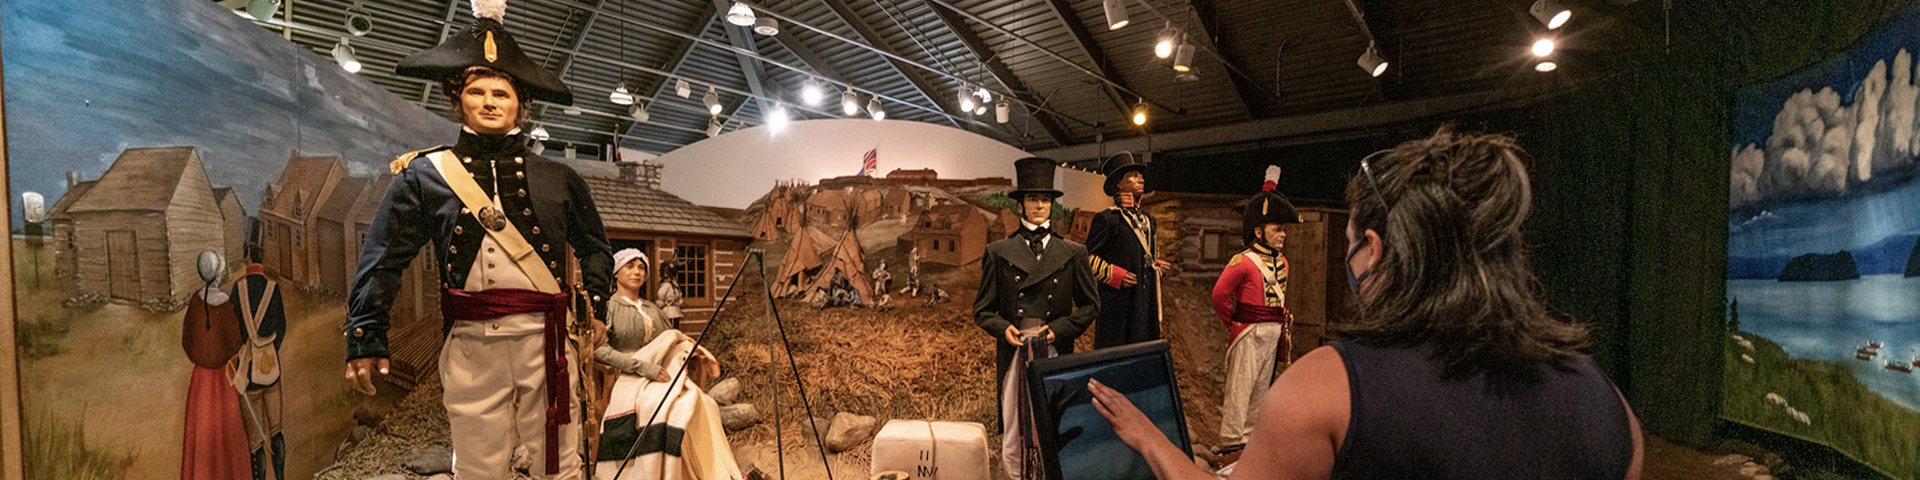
x: 1268, y: 206
x: 486, y: 44
x: 1116, y: 167
x: 1033, y: 175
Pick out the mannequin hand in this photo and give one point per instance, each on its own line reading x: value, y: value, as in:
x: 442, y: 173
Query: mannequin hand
x: 360, y: 373
x: 1129, y: 280
x: 1163, y: 266
x: 1049, y: 332
x: 1013, y: 336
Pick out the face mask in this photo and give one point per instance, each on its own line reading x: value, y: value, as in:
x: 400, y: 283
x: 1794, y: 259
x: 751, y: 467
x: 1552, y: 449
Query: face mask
x: 1353, y: 281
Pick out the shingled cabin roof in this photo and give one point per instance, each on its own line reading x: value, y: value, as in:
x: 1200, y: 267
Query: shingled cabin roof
x: 628, y: 206
x: 340, y: 204
x: 142, y: 179
x: 303, y: 179
x: 66, y: 201
x: 375, y: 193
x: 220, y: 194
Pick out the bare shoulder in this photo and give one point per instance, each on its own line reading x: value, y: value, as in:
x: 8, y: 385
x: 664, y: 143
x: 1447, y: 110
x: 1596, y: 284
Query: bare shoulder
x: 1302, y: 421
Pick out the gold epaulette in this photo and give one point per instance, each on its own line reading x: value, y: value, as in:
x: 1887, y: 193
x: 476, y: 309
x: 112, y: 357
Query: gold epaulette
x: 1235, y: 260
x: 401, y: 162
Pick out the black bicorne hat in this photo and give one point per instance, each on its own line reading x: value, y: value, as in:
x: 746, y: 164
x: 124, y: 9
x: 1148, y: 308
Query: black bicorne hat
x: 1268, y: 206
x: 1116, y: 168
x: 1033, y: 175
x: 486, y: 44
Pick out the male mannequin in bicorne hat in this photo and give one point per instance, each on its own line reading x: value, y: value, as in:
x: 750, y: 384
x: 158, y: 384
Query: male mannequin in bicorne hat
x: 1036, y: 296
x: 1126, y: 263
x: 1250, y: 299
x: 500, y: 220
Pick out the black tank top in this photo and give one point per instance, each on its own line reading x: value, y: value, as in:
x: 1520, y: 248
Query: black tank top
x: 1409, y: 421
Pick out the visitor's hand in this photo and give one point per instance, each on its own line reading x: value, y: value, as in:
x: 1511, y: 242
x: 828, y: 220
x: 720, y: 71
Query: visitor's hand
x: 1129, y: 280
x: 1129, y: 424
x: 360, y: 373
x: 1013, y: 336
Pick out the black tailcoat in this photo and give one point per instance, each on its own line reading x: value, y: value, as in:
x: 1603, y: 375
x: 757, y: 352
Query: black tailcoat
x: 1057, y: 287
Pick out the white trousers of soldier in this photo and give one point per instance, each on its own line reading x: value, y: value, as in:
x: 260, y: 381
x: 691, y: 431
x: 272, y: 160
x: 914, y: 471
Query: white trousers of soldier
x: 496, y: 398
x: 1252, y: 367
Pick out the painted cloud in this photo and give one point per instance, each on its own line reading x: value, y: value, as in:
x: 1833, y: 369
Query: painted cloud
x: 1821, y: 147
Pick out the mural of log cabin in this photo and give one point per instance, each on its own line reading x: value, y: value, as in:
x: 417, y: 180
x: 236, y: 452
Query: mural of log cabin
x: 235, y: 230
x: 134, y: 235
x: 334, y: 263
x: 666, y: 226
x: 952, y: 234
x: 416, y: 334
x: 289, y: 212
x: 66, y: 260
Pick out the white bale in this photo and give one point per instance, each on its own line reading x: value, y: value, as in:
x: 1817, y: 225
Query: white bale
x: 932, y: 450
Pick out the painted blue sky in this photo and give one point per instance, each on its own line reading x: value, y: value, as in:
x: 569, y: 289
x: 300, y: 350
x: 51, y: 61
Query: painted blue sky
x: 86, y: 80
x: 1755, y: 106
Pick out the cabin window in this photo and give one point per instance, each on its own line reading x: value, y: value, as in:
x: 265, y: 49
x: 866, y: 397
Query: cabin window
x: 1212, y: 246
x: 692, y: 278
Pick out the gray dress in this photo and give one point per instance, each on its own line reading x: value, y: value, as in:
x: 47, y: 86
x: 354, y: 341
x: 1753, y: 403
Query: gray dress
x: 630, y: 327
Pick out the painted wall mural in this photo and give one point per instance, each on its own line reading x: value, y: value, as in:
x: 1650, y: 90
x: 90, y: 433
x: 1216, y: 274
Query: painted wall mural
x: 155, y: 130
x: 1823, y: 274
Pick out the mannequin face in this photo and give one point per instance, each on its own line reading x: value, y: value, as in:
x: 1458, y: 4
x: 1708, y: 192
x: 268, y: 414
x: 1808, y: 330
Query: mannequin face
x: 489, y: 106
x: 1273, y: 234
x: 1036, y: 208
x: 1133, y: 182
x: 631, y: 277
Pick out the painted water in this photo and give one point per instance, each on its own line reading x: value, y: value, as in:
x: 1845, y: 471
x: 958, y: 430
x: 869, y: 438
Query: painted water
x: 1829, y: 321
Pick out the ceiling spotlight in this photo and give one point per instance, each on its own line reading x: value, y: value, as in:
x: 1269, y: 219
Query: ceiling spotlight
x: 1001, y: 111
x: 984, y: 94
x: 873, y: 108
x: 1543, y: 47
x: 1550, y: 12
x: 571, y: 152
x: 777, y: 119
x: 572, y: 110
x: 1140, y: 113
x: 711, y: 100
x: 263, y: 10
x: 639, y: 113
x: 1545, y: 66
x: 681, y: 88
x: 1371, y: 61
x: 966, y: 99
x: 1116, y: 13
x: 620, y: 96
x: 740, y: 15
x: 849, y: 102
x: 344, y: 55
x: 537, y: 147
x: 1186, y: 77
x: 539, y: 134
x: 980, y: 110
x: 1183, y: 57
x: 713, y: 127
x: 766, y: 26
x: 358, y: 23
x: 810, y: 92
x: 1163, y: 48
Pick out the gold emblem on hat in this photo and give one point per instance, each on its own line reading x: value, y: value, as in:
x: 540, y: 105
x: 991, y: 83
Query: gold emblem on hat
x: 493, y: 53
x: 493, y: 219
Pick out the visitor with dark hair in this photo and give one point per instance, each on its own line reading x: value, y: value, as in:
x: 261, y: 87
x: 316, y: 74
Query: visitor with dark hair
x: 1452, y: 367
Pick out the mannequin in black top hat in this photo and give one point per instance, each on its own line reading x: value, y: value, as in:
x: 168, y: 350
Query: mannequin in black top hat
x: 507, y: 367
x: 1124, y: 259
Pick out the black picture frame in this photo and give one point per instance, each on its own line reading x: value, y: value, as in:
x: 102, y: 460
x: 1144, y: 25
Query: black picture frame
x: 1057, y: 389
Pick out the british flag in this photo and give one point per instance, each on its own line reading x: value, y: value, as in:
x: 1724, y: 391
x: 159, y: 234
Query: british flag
x: 870, y: 163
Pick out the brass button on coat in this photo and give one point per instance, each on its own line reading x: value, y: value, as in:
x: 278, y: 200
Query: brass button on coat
x: 519, y: 174
x: 357, y: 333
x: 526, y: 212
x: 522, y: 193
x: 457, y: 230
x: 536, y: 230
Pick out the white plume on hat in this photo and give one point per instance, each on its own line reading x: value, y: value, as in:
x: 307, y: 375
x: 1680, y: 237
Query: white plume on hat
x: 1273, y: 179
x: 494, y: 9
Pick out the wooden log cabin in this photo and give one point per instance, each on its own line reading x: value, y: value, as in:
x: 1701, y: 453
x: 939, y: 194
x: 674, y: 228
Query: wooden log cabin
x: 135, y: 235
x: 289, y: 213
x: 665, y: 226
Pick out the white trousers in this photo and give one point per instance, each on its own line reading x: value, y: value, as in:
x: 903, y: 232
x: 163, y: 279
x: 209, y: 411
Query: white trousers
x: 496, y: 398
x: 1250, y: 371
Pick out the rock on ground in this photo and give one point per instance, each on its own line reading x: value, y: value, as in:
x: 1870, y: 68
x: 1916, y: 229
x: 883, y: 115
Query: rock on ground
x: 725, y: 392
x: 849, y: 430
x: 431, y: 460
x: 738, y: 416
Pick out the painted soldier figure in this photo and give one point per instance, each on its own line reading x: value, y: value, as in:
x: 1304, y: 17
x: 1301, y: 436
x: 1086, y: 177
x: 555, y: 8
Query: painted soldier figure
x: 257, y: 305
x: 1036, y: 296
x: 1250, y: 299
x: 1125, y: 261
x: 501, y: 221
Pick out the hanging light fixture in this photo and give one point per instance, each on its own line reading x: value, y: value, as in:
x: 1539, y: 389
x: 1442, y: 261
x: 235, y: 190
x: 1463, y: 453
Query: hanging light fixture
x: 1163, y: 47
x: 539, y: 134
x: 740, y: 15
x: 1116, y: 13
x: 1543, y: 47
x: 1550, y: 12
x: 711, y: 100
x: 343, y: 54
x: 263, y: 10
x: 1371, y: 61
x: 849, y: 102
x: 713, y: 127
x: 1140, y: 113
x: 359, y: 22
x: 681, y: 88
x: 873, y: 108
x: 1183, y: 57
x: 537, y: 147
x: 810, y: 92
x: 966, y: 98
x: 980, y: 110
x: 1001, y: 111
x: 984, y: 94
x: 777, y: 118
x: 571, y: 152
x: 766, y: 26
x: 572, y: 110
x: 1545, y: 66
x: 1186, y: 77
x: 639, y: 113
x: 620, y: 96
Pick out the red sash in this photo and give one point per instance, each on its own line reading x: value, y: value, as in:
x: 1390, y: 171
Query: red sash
x: 461, y: 305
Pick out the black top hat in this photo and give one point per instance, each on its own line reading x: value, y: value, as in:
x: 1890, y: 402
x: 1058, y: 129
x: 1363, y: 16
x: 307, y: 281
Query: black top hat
x: 1268, y: 206
x: 486, y: 44
x: 1033, y: 175
x: 1116, y: 168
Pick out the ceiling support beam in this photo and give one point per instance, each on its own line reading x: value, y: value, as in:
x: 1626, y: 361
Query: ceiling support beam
x: 1208, y: 15
x: 756, y: 74
x: 806, y: 54
x: 1103, y: 78
x: 446, y: 28
x: 998, y: 69
x: 1078, y: 28
x: 873, y: 38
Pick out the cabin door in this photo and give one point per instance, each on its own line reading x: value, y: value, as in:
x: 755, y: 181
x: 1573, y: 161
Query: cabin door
x: 123, y: 266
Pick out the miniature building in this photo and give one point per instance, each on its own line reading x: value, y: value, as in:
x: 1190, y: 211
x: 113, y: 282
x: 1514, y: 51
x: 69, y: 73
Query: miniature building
x: 289, y: 213
x: 951, y: 234
x: 668, y: 227
x: 135, y: 234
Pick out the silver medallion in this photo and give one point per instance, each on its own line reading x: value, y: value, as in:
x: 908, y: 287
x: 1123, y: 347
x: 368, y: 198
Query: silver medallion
x: 493, y: 219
